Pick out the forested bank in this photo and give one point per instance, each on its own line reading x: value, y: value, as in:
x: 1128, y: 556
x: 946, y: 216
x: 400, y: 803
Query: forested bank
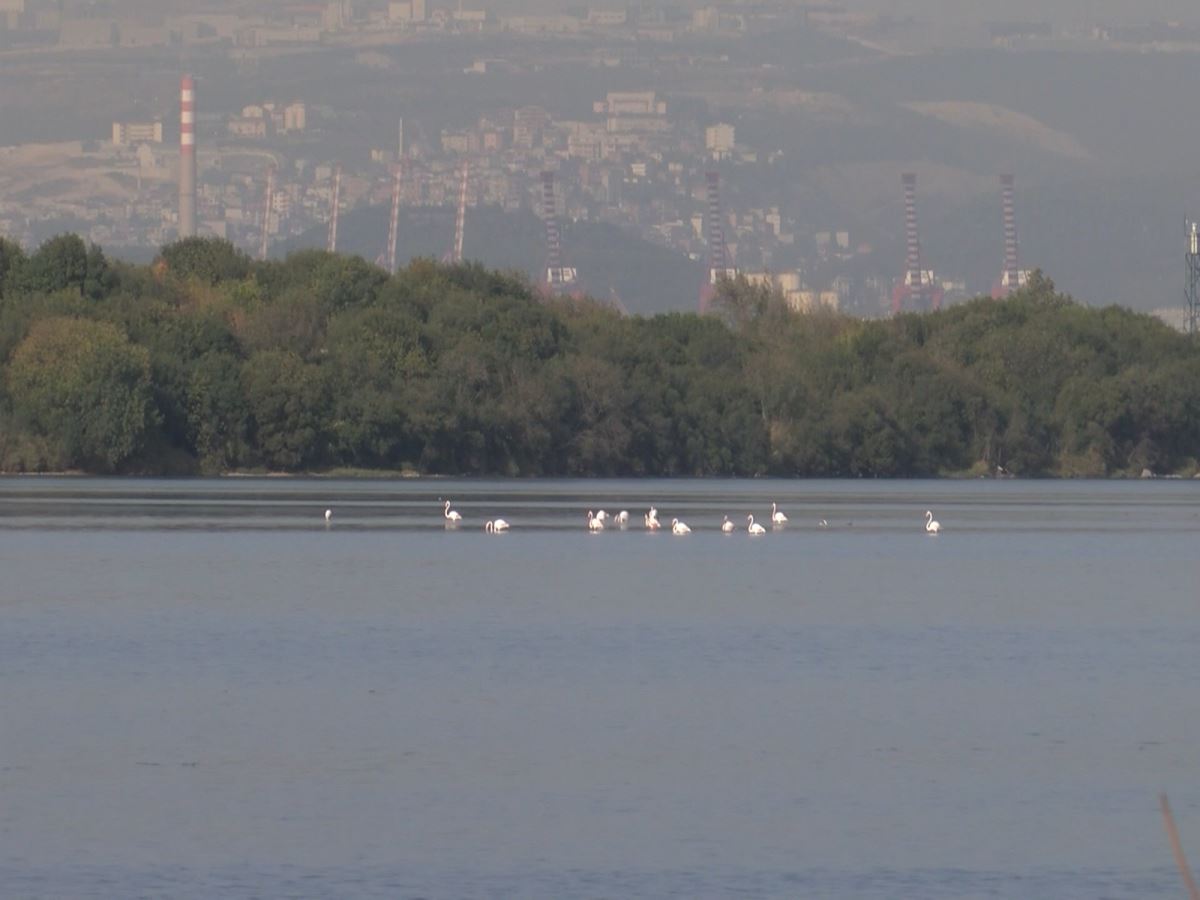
x: 208, y: 362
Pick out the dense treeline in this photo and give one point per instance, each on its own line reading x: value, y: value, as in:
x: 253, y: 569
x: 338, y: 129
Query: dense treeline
x: 209, y: 362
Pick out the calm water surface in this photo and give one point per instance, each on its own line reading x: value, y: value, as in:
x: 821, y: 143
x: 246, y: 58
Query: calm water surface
x: 206, y: 692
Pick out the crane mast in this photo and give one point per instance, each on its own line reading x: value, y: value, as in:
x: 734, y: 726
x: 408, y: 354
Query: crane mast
x: 460, y: 221
x: 558, y: 276
x: 394, y: 222
x: 335, y: 204
x: 268, y: 202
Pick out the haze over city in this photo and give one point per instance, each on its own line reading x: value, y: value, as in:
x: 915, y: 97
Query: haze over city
x: 619, y: 448
x: 809, y: 115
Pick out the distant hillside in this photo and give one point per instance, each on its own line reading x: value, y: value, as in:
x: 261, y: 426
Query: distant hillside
x: 1111, y: 240
x: 647, y: 278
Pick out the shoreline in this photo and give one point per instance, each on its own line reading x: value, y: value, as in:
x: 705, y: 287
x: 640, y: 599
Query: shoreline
x: 403, y: 475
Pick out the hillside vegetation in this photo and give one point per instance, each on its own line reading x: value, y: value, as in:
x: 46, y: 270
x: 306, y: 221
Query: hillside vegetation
x: 208, y: 362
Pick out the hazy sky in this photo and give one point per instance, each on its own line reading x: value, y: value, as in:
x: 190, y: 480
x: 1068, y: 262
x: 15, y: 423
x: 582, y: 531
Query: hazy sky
x: 951, y: 11
x: 960, y: 11
x: 1055, y: 10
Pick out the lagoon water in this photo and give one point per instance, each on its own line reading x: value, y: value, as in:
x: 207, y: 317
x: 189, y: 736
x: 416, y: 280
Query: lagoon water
x: 206, y: 692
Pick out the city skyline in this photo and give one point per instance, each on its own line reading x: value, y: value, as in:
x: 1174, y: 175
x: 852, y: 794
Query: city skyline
x: 811, y: 115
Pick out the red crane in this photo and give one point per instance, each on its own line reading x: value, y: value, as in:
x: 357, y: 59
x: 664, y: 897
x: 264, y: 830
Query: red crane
x: 335, y: 203
x: 394, y: 221
x: 559, y: 278
x: 460, y: 220
x: 268, y: 202
x: 718, y: 262
x: 1013, y: 277
x: 919, y: 289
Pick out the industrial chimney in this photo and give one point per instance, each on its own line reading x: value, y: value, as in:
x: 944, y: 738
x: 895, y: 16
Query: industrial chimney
x: 187, y: 158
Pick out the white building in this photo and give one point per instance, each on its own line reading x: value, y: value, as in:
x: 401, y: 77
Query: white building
x: 548, y: 24
x: 10, y: 12
x: 719, y: 140
x: 337, y: 14
x: 607, y: 18
x: 126, y: 133
x: 631, y: 103
x: 295, y: 117
x: 406, y: 11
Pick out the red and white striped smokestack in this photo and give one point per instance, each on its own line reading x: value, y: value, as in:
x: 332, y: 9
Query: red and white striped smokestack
x: 911, y: 236
x: 1010, y: 233
x: 187, y: 157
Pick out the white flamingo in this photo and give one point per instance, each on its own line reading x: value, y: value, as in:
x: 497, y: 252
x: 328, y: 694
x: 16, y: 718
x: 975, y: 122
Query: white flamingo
x: 328, y: 515
x: 495, y: 526
x: 595, y: 523
x: 601, y: 516
x: 678, y: 527
x: 622, y: 518
x: 777, y: 516
x: 754, y: 527
x: 452, y: 516
x: 932, y: 525
x: 727, y: 526
x: 651, y: 519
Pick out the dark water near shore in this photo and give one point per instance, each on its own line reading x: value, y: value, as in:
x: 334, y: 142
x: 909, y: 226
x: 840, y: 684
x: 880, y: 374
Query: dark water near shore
x: 206, y: 692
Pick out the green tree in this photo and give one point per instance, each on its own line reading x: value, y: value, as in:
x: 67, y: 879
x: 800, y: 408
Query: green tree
x: 64, y: 263
x: 205, y: 259
x: 59, y: 264
x: 321, y: 360
x: 294, y: 322
x: 218, y: 416
x: 288, y: 409
x: 178, y: 342
x: 376, y: 361
x: 12, y: 257
x: 83, y: 386
x: 334, y: 282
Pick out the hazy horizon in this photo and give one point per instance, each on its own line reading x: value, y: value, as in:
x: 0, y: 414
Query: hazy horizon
x: 1057, y: 11
x: 822, y: 118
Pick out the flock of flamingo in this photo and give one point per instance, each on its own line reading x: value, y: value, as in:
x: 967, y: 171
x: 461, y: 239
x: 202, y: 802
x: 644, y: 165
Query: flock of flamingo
x: 595, y: 521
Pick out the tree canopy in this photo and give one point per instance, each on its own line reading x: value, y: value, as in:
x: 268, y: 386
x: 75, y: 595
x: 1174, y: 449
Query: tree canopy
x: 84, y: 389
x: 207, y: 361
